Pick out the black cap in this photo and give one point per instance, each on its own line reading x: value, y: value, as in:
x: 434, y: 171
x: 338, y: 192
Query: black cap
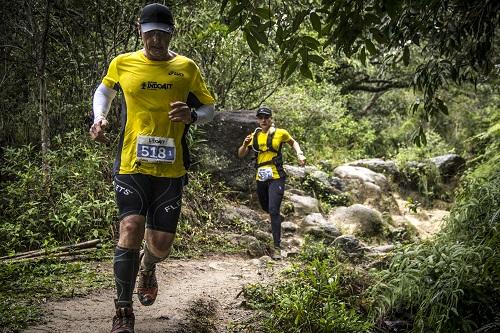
x: 156, y: 17
x: 264, y: 111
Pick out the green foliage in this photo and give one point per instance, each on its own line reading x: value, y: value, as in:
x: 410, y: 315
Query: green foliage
x: 324, y: 194
x: 318, y: 294
x: 63, y: 197
x: 316, y: 117
x: 201, y: 225
x: 418, y: 173
x: 445, y: 286
x: 457, y: 38
x: 26, y: 285
x: 409, y: 152
x: 451, y: 284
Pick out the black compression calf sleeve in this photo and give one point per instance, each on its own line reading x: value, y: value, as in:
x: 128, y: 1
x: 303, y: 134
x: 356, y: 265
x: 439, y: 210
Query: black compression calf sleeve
x: 276, y: 229
x: 126, y: 266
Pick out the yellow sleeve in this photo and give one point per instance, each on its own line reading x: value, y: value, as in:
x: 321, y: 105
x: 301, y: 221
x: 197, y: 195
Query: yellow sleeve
x: 285, y: 136
x: 199, y: 89
x: 111, y: 79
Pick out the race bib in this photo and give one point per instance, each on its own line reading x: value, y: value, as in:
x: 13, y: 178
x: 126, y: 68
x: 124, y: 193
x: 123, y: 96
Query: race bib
x: 265, y: 173
x: 155, y: 149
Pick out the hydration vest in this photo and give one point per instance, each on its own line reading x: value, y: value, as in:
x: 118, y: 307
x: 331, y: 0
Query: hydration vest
x: 276, y: 160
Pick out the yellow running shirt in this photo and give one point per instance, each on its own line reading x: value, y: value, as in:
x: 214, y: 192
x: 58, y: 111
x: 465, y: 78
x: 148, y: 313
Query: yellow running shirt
x: 280, y: 136
x: 149, y: 142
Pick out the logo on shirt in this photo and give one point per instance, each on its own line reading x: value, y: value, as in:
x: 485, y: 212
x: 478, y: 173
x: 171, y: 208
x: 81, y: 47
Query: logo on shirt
x: 176, y: 73
x: 153, y: 85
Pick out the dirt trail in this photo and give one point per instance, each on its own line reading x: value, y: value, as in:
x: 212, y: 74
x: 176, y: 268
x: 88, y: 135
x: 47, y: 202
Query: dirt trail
x: 185, y: 286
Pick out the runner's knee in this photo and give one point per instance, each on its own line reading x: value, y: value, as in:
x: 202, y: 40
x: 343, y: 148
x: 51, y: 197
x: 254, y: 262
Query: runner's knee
x: 159, y: 243
x: 131, y: 232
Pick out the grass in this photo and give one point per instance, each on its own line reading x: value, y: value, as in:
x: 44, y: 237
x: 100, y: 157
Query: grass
x: 26, y: 285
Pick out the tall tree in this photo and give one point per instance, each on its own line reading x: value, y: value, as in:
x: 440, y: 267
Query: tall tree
x: 458, y: 37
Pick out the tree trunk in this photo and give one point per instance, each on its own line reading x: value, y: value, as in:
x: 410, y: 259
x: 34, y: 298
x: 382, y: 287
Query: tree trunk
x: 42, y: 80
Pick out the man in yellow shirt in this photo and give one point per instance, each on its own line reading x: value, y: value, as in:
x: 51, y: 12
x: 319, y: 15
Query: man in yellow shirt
x: 267, y: 142
x: 163, y: 93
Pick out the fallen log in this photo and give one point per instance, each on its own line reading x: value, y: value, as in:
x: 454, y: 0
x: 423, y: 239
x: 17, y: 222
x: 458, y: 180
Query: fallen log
x: 65, y: 248
x: 65, y: 256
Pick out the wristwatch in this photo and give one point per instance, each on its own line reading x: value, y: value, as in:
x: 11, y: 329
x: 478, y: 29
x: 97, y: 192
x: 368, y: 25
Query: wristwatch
x: 194, y: 116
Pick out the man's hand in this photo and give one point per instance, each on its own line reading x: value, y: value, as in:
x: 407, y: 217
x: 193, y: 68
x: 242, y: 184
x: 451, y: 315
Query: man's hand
x: 180, y: 112
x: 302, y: 159
x: 97, y: 131
x: 247, y: 140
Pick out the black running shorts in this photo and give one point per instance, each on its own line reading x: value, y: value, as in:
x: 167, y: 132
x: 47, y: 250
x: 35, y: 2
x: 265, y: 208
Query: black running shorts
x: 156, y: 198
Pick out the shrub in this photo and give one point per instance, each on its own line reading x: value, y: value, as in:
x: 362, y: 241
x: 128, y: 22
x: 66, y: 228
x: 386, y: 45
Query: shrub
x: 318, y: 294
x: 65, y: 196
x: 451, y: 284
x: 315, y: 115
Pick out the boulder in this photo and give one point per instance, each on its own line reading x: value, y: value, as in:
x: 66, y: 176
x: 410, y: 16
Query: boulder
x: 289, y: 227
x: 223, y: 136
x: 323, y: 231
x: 378, y: 165
x: 242, y: 214
x: 347, y: 172
x: 303, y: 205
x: 295, y: 171
x: 357, y: 220
x: 262, y: 236
x: 313, y: 219
x: 349, y: 244
x: 368, y: 187
x: 449, y: 165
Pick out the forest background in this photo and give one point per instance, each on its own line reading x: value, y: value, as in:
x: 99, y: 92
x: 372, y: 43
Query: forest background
x: 399, y: 80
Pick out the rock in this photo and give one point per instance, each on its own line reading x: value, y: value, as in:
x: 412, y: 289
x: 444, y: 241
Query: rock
x: 263, y: 236
x: 253, y: 246
x: 291, y: 242
x: 323, y: 231
x: 224, y: 134
x: 240, y: 213
x: 349, y: 244
x: 265, y: 259
x: 358, y: 220
x: 331, y: 229
x: 288, y: 227
x: 303, y: 205
x: 382, y: 248
x: 256, y: 249
x: 368, y: 187
x: 294, y: 171
x: 449, y: 165
x: 313, y: 219
x: 292, y: 252
x: 295, y: 191
x: 378, y: 165
x: 337, y: 183
x: 347, y: 172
